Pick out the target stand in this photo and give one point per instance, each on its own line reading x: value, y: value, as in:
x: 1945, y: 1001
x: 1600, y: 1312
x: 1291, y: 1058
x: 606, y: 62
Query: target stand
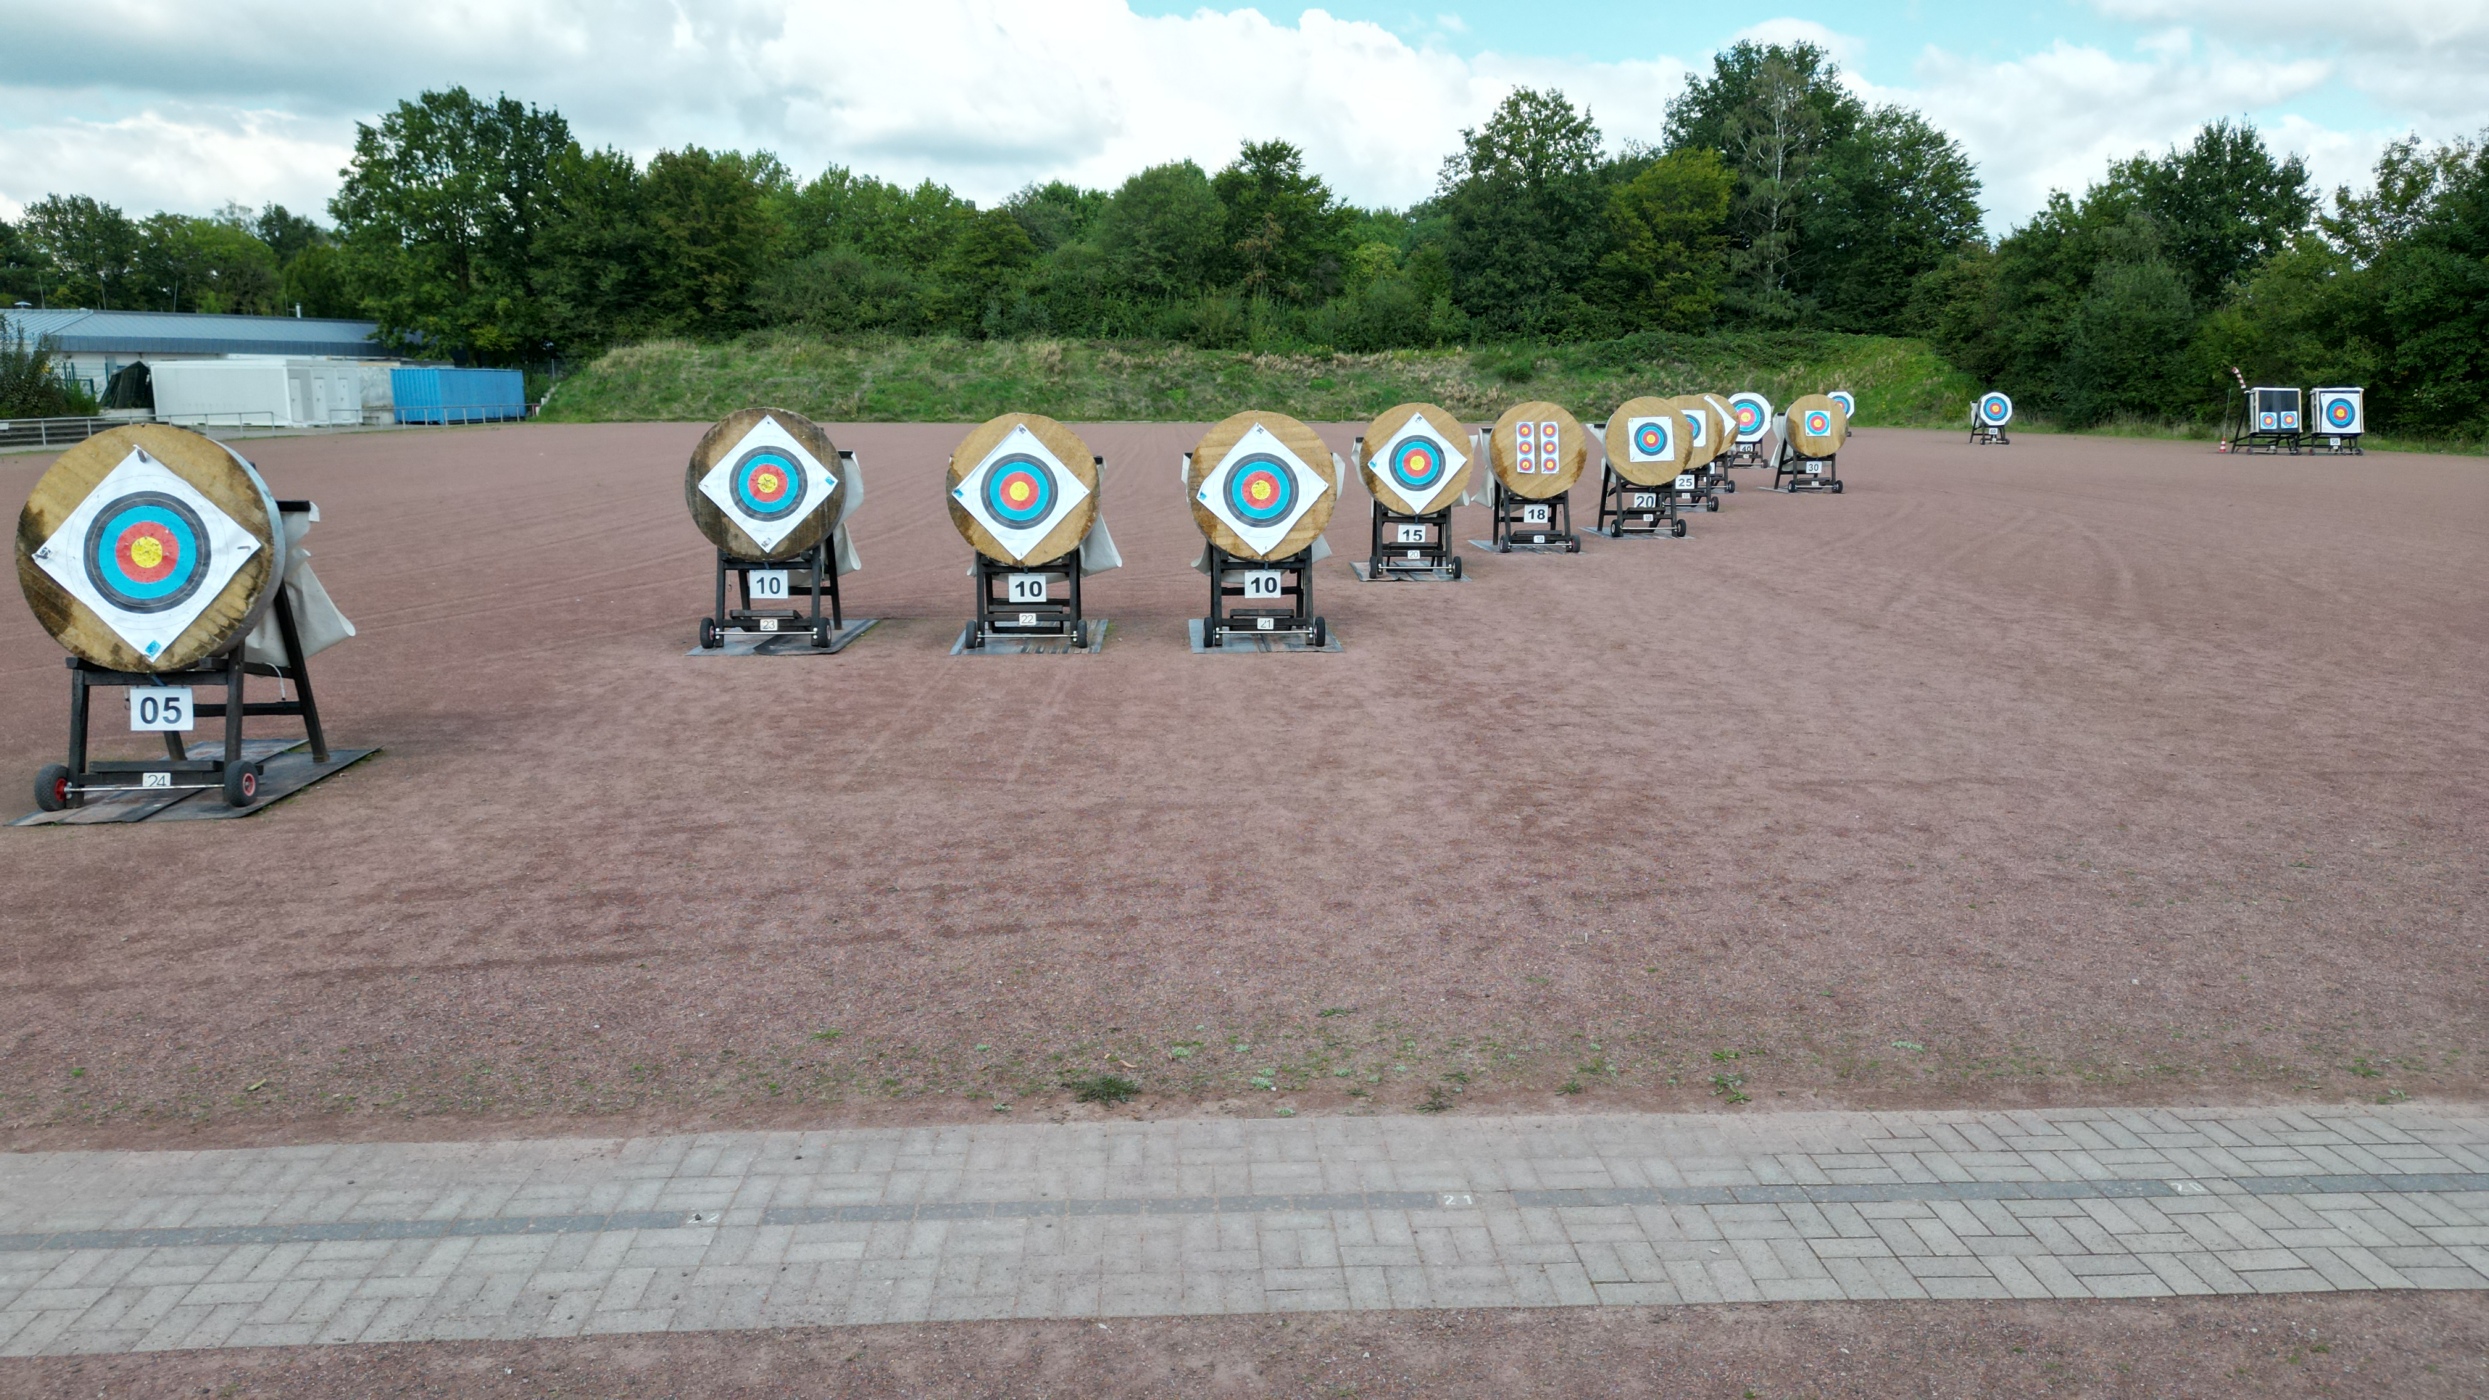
x: 1412, y: 460
x: 772, y: 493
x: 1628, y: 511
x: 1988, y: 416
x: 1024, y: 492
x: 1536, y: 453
x: 2263, y: 421
x: 1532, y: 525
x: 1811, y: 434
x: 1277, y: 606
x: 1793, y: 471
x: 1750, y: 418
x: 1411, y: 547
x: 1030, y: 608
x: 766, y: 620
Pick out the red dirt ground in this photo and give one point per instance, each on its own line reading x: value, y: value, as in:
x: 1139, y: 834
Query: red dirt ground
x: 2079, y: 770
x: 2418, y: 1345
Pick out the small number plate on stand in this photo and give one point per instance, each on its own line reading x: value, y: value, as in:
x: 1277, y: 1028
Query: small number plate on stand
x: 767, y: 583
x: 1648, y: 500
x: 1260, y: 583
x: 158, y: 709
x: 1411, y: 534
x: 1535, y: 515
x: 1025, y: 588
x: 1686, y: 481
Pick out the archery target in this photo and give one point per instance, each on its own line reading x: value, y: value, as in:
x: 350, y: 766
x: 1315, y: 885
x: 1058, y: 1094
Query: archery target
x: 1650, y: 440
x: 1847, y: 400
x: 1019, y: 491
x: 1419, y: 465
x: 146, y: 552
x: 1751, y: 414
x: 2341, y: 411
x: 1815, y: 426
x: 766, y: 484
x: 1537, y: 450
x: 1261, y: 488
x: 1994, y: 410
x: 1646, y: 440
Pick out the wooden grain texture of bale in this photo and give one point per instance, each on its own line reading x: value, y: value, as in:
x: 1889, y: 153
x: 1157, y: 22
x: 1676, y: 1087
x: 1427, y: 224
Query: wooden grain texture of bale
x: 1448, y: 430
x: 1572, y: 451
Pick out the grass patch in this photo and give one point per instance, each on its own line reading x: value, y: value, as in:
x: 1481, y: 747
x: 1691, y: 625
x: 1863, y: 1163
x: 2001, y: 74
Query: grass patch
x: 938, y: 379
x: 1102, y: 1088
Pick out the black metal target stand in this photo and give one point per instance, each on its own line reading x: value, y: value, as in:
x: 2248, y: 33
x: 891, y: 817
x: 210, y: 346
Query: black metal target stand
x: 62, y: 786
x: 1274, y: 606
x: 1018, y: 600
x: 1412, y: 546
x: 1626, y: 509
x: 1523, y: 523
x: 1792, y: 472
x: 811, y: 574
x: 1983, y: 432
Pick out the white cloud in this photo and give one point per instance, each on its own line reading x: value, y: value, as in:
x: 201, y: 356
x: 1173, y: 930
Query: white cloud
x: 2422, y: 57
x: 1848, y: 50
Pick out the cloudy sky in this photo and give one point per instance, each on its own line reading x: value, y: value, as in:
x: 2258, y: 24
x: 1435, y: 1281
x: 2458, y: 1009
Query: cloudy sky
x: 186, y: 104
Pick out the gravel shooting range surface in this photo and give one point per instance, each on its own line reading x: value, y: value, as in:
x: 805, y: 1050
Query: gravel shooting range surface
x: 2077, y: 771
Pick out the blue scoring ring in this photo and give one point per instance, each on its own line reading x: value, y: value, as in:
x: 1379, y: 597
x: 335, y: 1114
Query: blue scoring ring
x: 147, y: 552
x: 1261, y: 490
x: 768, y: 485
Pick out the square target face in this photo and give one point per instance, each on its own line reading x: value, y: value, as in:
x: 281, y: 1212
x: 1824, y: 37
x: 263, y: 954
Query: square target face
x: 146, y: 552
x: 1650, y: 440
x: 1019, y: 492
x: 1260, y: 488
x: 1697, y: 429
x: 767, y: 483
x: 1419, y: 464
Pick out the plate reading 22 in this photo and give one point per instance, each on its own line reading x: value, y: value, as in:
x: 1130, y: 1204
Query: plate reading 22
x: 159, y: 709
x: 1026, y: 588
x: 1261, y: 583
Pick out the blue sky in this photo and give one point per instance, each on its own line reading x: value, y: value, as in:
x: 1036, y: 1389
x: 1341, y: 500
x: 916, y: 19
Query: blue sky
x: 186, y: 104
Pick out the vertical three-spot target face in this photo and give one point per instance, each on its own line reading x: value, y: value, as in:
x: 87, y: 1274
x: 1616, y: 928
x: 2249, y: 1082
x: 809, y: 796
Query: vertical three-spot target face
x: 1260, y: 490
x: 147, y: 552
x: 768, y: 484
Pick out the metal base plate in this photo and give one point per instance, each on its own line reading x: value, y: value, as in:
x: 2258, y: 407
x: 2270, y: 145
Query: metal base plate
x: 1442, y: 575
x: 1241, y: 643
x: 1555, y: 545
x: 796, y: 643
x: 288, y: 770
x: 1006, y: 645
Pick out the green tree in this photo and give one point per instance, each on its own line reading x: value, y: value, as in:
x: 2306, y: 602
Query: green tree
x: 1054, y: 214
x: 1524, y: 212
x: 1891, y: 201
x: 977, y: 274
x: 2126, y: 348
x: 1665, y: 266
x: 890, y: 225
x: 21, y: 271
x: 1770, y: 110
x: 288, y: 235
x: 1286, y: 233
x: 711, y: 233
x: 212, y: 265
x: 595, y: 261
x: 2223, y: 204
x: 439, y: 215
x: 85, y: 250
x: 1163, y: 233
x: 30, y: 384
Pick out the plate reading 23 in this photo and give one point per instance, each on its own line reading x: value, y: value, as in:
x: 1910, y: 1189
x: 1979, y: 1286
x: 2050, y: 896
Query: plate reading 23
x: 158, y: 709
x: 1261, y: 583
x: 1026, y: 588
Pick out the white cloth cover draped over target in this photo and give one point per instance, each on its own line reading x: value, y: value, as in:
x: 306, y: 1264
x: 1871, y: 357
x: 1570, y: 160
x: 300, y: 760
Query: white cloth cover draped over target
x: 317, y: 622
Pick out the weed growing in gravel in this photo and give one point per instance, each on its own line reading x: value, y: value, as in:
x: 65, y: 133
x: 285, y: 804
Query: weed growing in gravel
x: 1730, y: 1087
x: 1102, y: 1088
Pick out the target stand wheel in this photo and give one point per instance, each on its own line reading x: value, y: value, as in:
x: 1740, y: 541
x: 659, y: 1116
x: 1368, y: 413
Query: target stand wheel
x: 821, y: 635
x: 710, y: 638
x: 1676, y: 529
x: 53, y: 790
x: 241, y: 784
x: 1836, y: 488
x: 1322, y: 633
x: 1456, y: 567
x: 1711, y: 503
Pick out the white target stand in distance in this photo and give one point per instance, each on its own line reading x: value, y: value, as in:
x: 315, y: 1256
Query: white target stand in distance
x: 1025, y: 492
x: 2341, y: 419
x: 1988, y: 416
x: 1750, y: 421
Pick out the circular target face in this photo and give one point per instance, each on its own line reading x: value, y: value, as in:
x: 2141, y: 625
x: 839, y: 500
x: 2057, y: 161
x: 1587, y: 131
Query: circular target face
x: 2339, y: 413
x: 1818, y: 423
x: 1417, y: 464
x: 147, y: 552
x: 1020, y: 491
x: 1996, y: 408
x: 1650, y: 439
x: 1749, y: 416
x: 768, y: 485
x: 1261, y: 490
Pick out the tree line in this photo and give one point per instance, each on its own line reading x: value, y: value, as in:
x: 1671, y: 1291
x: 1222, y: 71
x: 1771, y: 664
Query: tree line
x: 483, y: 230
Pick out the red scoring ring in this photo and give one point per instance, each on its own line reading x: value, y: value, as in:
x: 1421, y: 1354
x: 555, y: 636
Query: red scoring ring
x: 168, y: 557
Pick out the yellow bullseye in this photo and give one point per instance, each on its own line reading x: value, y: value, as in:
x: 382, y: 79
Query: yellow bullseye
x: 147, y: 551
x: 766, y: 483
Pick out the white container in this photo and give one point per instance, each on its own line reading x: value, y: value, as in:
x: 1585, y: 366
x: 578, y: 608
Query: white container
x: 250, y: 391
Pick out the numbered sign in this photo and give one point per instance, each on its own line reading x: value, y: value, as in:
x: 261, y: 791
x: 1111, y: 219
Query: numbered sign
x: 1814, y: 469
x: 1685, y: 481
x: 1647, y: 500
x: 1261, y: 583
x: 1535, y: 515
x: 158, y: 709
x: 767, y: 584
x: 1411, y: 534
x: 1026, y: 588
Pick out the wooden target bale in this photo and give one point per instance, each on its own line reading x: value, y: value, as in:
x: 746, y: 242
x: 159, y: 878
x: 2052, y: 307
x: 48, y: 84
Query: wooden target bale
x: 149, y: 548
x: 1414, y: 461
x: 1816, y: 426
x: 1703, y: 431
x: 1647, y: 440
x: 1023, y: 489
x: 1262, y: 485
x: 1526, y: 460
x: 765, y: 483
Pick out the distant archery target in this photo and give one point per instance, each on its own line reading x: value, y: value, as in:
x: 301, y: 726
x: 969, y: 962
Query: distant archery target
x: 1256, y: 490
x: 1750, y: 415
x: 1411, y: 460
x: 1023, y: 489
x: 768, y: 484
x: 1646, y: 440
x: 1848, y: 402
x: 764, y: 483
x: 1995, y: 410
x: 1650, y: 438
x: 2340, y: 414
x: 1817, y: 422
x: 147, y: 552
x: 1816, y: 426
x: 149, y: 548
x: 1537, y: 450
x: 2340, y: 410
x: 1260, y: 490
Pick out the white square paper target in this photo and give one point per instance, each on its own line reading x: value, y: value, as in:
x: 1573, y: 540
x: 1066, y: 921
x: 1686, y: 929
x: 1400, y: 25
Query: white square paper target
x: 1651, y: 439
x: 1260, y: 489
x: 146, y: 552
x: 767, y: 483
x: 1419, y: 464
x: 1019, y: 492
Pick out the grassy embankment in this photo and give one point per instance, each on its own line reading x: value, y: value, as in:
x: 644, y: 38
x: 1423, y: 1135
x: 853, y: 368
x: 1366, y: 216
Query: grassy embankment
x: 927, y: 379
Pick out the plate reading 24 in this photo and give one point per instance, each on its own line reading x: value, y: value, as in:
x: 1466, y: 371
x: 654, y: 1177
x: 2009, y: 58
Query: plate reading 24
x: 159, y: 709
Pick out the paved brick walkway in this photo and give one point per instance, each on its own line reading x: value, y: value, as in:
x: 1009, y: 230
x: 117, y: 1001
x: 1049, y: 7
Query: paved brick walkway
x: 138, y: 1251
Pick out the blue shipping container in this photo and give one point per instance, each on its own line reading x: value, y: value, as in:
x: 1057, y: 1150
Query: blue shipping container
x: 441, y: 395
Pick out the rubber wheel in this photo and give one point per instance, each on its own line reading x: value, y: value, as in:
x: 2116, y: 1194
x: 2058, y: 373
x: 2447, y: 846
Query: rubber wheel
x: 709, y: 638
x: 1712, y: 503
x: 1572, y: 546
x: 1729, y: 486
x: 1836, y: 488
x: 1322, y: 633
x: 1456, y: 569
x: 1080, y: 636
x: 821, y: 636
x: 241, y: 784
x: 1676, y: 529
x: 52, y: 792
